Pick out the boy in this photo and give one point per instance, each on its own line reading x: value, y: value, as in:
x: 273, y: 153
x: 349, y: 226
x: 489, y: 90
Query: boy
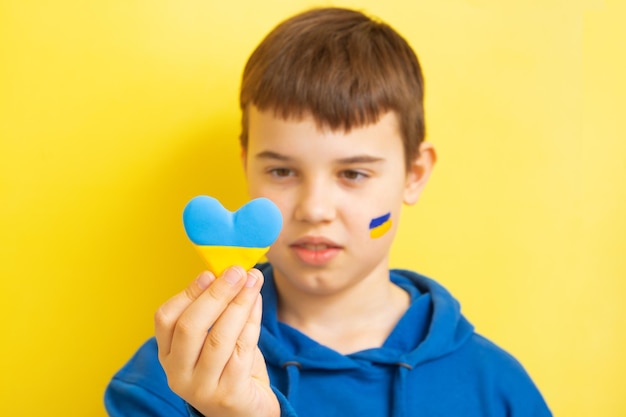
x: 332, y: 132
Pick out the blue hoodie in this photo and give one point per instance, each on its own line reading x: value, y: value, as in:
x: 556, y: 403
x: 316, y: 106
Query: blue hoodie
x: 432, y: 364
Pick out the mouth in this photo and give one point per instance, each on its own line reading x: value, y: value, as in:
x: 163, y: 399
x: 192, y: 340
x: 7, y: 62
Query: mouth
x: 315, y: 243
x: 312, y: 246
x: 315, y: 251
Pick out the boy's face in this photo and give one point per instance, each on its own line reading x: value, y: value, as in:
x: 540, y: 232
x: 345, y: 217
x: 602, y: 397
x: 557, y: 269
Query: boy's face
x: 335, y: 191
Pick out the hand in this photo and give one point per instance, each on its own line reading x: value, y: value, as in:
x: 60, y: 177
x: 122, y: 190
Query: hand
x: 221, y: 371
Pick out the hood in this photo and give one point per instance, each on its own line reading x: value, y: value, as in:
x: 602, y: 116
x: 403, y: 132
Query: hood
x: 432, y: 327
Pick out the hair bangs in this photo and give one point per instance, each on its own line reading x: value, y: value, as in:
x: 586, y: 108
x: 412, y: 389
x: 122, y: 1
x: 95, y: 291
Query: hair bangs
x: 341, y: 68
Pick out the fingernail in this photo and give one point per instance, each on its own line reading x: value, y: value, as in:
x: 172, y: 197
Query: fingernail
x: 252, y: 279
x: 233, y: 275
x: 203, y: 280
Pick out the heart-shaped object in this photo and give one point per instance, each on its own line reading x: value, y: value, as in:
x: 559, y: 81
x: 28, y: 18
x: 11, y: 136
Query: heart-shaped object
x: 224, y: 238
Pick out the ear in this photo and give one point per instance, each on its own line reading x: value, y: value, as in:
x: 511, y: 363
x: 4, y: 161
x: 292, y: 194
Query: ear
x: 419, y: 172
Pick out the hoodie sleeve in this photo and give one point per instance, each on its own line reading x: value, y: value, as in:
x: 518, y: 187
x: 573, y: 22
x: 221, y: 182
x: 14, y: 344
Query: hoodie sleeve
x: 123, y: 399
x: 140, y: 388
x: 286, y: 410
x: 505, y: 378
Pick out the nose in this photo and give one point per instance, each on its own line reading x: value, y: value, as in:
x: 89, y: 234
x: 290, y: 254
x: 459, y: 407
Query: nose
x: 315, y: 203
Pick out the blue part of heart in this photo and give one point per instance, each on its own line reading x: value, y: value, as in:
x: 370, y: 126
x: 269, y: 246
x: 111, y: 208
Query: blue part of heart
x: 255, y: 225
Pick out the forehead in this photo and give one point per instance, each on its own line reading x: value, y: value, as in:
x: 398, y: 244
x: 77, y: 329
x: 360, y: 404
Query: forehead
x: 305, y: 138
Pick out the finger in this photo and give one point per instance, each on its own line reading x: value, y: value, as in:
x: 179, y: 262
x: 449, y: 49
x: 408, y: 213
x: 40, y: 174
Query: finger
x: 244, y: 355
x: 259, y: 368
x: 167, y: 315
x: 225, y: 336
x: 190, y: 331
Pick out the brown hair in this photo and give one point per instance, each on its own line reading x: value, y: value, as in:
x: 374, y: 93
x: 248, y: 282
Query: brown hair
x: 340, y: 66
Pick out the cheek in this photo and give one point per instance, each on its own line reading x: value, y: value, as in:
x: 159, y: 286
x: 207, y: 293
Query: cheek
x: 282, y: 202
x: 380, y: 226
x: 371, y: 248
x: 379, y: 215
x: 258, y: 188
x: 376, y: 226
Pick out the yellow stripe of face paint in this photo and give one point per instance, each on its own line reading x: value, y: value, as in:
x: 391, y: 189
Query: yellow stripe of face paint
x: 380, y: 230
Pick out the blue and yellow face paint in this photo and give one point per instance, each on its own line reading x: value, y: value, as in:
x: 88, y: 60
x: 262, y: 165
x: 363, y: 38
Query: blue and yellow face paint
x: 380, y: 225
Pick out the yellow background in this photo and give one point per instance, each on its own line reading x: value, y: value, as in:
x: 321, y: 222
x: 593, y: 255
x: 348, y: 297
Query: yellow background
x: 114, y: 113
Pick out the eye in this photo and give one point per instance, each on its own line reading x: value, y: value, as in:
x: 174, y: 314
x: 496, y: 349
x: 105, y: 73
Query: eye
x: 353, y: 175
x: 281, y: 172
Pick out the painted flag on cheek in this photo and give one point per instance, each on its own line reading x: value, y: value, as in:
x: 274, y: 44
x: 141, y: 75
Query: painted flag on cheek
x: 380, y: 225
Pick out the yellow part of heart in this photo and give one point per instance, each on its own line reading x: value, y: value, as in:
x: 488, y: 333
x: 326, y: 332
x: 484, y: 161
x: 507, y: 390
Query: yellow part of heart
x: 218, y: 258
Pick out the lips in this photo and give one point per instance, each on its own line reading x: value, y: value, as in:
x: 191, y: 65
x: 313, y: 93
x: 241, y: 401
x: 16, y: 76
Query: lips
x: 315, y: 251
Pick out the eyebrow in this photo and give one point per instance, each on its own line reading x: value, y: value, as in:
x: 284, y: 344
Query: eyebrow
x: 360, y: 159
x: 357, y: 159
x: 273, y: 155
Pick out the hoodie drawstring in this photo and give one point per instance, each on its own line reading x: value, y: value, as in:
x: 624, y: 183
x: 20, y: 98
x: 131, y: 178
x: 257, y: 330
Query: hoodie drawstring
x: 399, y: 394
x: 293, y: 378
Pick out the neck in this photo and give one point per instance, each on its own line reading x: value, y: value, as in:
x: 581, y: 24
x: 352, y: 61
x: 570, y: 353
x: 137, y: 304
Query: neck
x: 349, y: 319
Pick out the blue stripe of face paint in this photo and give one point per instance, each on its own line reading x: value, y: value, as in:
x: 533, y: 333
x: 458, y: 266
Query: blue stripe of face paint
x: 379, y: 220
